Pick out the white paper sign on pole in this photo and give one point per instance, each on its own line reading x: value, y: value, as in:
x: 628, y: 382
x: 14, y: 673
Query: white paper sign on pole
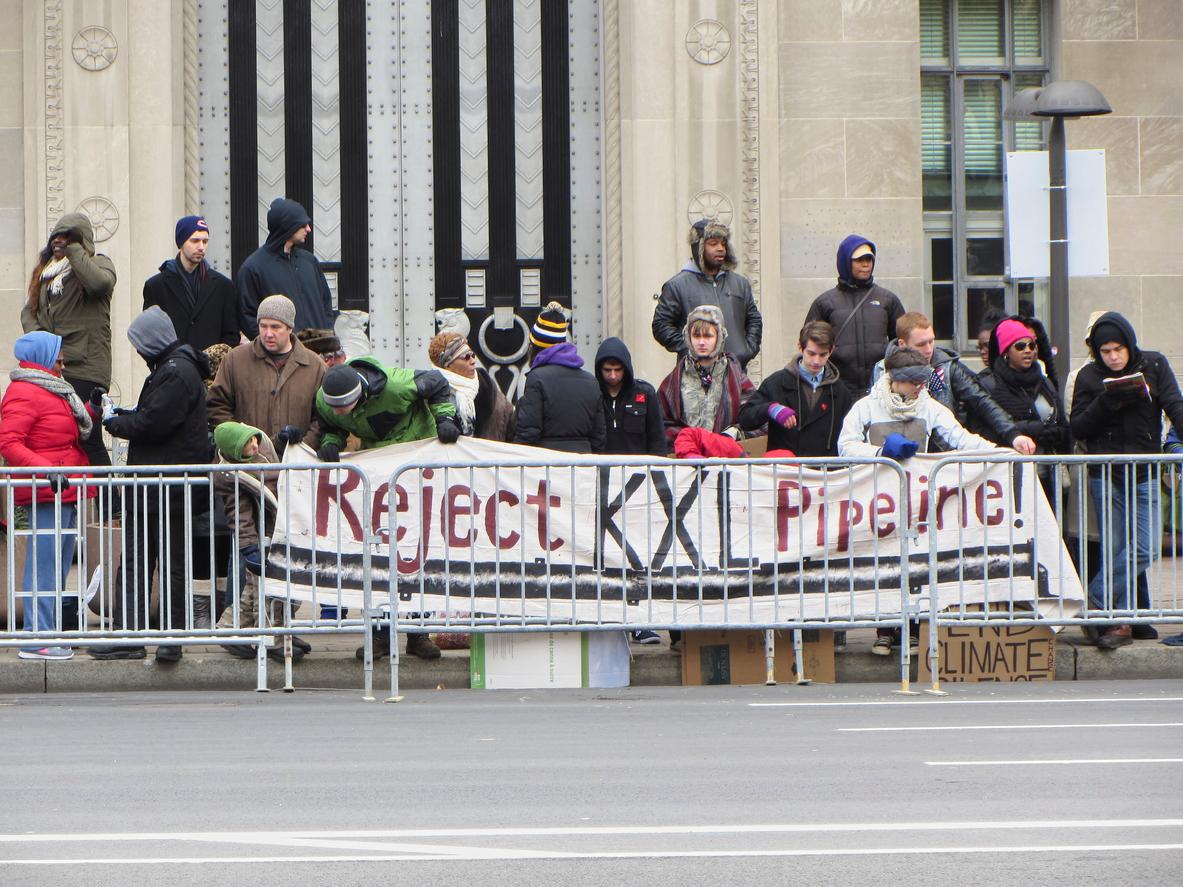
x: 1028, y: 215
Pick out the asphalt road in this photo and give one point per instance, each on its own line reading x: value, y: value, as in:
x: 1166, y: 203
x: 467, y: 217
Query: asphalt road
x: 997, y: 784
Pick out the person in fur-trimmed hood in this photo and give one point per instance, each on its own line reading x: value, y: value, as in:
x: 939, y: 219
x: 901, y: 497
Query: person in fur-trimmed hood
x: 709, y: 278
x: 708, y: 387
x: 862, y: 313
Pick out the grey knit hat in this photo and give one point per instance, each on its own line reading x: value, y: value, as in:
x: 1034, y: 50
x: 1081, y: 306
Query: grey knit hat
x: 151, y: 332
x: 279, y: 308
x: 341, y: 385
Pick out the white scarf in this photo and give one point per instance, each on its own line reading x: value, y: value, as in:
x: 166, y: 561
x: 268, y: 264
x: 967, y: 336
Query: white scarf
x: 56, y: 272
x: 898, y: 406
x: 465, y: 390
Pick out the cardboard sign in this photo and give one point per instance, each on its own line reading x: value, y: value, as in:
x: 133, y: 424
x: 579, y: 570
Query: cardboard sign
x: 990, y: 654
x: 737, y: 657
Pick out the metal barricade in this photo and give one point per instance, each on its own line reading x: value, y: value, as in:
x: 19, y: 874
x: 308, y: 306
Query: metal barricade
x: 1068, y: 541
x: 608, y: 543
x: 143, y: 537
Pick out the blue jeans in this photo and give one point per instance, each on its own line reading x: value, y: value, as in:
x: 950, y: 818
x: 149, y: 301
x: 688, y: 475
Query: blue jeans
x: 1128, y: 520
x: 49, y: 555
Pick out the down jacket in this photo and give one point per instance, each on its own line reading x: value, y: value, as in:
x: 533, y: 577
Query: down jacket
x: 81, y: 314
x: 862, y: 341
x: 561, y: 407
x: 37, y: 428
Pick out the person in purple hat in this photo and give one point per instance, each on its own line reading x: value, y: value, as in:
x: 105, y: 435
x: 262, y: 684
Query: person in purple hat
x: 202, y: 304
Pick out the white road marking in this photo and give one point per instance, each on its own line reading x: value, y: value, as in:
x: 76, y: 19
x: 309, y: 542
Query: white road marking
x: 856, y: 704
x: 1000, y: 727
x: 637, y: 854
x: 1047, y: 761
x: 592, y: 831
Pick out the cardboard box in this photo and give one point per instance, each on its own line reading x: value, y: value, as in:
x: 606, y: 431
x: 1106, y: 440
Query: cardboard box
x: 990, y: 654
x: 737, y: 657
x: 540, y: 660
x: 754, y: 447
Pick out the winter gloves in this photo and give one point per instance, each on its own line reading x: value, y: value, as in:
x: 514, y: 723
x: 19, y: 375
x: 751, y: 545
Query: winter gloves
x: 289, y: 434
x: 329, y: 452
x: 447, y: 430
x: 782, y: 415
x: 899, y: 447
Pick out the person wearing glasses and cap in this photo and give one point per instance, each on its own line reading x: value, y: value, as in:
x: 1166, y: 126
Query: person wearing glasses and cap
x: 481, y: 408
x: 897, y: 420
x: 862, y: 313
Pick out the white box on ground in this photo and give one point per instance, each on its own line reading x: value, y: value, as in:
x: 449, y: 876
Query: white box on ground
x: 540, y: 660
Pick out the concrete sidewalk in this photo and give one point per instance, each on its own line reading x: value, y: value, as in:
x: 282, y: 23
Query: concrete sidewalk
x: 333, y: 666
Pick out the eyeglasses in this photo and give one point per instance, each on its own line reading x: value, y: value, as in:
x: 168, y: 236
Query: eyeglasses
x: 1024, y: 345
x: 467, y: 355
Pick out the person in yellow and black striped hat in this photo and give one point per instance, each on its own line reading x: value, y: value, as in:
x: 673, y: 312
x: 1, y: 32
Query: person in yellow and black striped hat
x: 561, y: 407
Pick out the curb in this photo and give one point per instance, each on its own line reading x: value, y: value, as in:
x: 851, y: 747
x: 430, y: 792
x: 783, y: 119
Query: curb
x: 203, y: 669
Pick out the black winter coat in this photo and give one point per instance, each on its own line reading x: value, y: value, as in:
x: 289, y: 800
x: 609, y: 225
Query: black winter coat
x: 970, y: 402
x: 632, y: 419
x: 817, y: 429
x: 202, y: 319
x: 561, y: 409
x: 169, y: 425
x: 731, y: 291
x: 1016, y: 395
x: 863, y: 341
x: 270, y: 271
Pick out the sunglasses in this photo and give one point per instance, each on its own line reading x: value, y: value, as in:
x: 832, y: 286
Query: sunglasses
x: 1024, y: 345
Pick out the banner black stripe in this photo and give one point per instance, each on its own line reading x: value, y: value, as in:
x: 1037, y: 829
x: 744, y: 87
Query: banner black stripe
x: 243, y: 135
x: 297, y: 106
x: 445, y: 160
x: 353, y: 281
x: 503, y: 282
x: 556, y: 153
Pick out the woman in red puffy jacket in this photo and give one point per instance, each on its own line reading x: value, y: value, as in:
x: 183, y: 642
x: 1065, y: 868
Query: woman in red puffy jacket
x: 43, y: 422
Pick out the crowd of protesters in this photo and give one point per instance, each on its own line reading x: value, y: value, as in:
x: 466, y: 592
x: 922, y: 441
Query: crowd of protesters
x: 239, y: 371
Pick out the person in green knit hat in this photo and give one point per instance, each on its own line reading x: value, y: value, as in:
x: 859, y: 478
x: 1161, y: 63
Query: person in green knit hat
x: 384, y: 406
x: 239, y: 443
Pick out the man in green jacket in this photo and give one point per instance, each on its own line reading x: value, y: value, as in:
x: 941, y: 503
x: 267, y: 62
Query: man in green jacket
x: 385, y: 406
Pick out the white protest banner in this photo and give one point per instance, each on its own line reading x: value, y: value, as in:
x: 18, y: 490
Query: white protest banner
x: 755, y: 542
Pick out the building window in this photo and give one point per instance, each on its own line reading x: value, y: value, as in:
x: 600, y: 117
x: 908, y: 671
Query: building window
x: 974, y: 56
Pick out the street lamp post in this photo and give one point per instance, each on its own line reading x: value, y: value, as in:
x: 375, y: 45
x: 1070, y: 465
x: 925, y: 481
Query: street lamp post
x: 1060, y: 100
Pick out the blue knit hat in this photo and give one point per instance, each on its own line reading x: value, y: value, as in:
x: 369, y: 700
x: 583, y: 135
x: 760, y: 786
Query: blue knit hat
x: 186, y: 227
x: 40, y: 347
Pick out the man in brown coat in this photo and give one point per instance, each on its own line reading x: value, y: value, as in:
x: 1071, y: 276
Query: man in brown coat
x: 271, y: 384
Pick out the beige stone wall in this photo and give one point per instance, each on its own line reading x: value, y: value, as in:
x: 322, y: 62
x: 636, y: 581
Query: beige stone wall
x: 92, y: 132
x: 849, y: 159
x: 1132, y: 50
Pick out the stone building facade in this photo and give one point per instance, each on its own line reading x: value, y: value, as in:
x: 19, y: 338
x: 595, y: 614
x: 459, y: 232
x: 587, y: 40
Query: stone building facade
x: 798, y: 121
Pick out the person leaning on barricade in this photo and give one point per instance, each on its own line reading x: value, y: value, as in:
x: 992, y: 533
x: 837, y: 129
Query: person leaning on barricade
x: 897, y: 420
x: 1016, y: 380
x: 167, y: 426
x: 1117, y: 408
x: 482, y: 409
x: 802, y: 404
x: 708, y: 387
x: 384, y: 406
x: 43, y: 422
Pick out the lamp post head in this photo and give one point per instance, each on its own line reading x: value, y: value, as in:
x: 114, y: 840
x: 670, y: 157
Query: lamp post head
x: 1022, y: 106
x: 1070, y: 98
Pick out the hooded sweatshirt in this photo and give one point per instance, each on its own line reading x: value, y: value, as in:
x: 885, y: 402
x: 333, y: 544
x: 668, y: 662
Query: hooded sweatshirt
x: 231, y: 437
x: 633, y: 417
x: 863, y: 315
x: 1130, y: 422
x: 297, y: 274
x: 81, y: 312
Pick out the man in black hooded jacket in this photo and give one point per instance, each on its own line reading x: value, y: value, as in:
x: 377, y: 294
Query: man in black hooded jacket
x: 281, y: 267
x: 632, y: 414
x: 1116, y: 415
x: 168, y: 426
